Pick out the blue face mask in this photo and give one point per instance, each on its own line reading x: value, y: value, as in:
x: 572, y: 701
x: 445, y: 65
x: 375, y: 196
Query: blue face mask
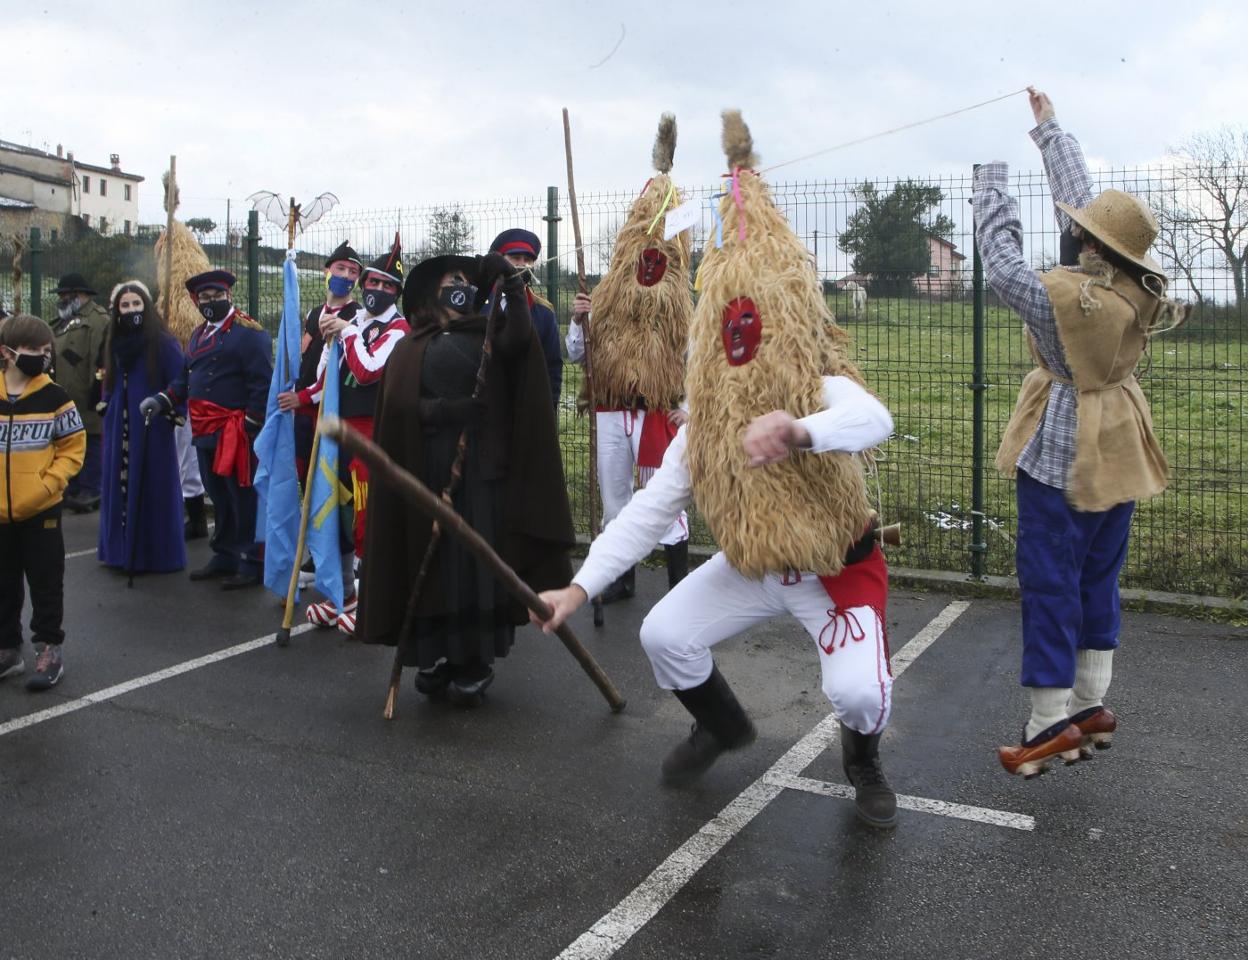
x: 340, y: 286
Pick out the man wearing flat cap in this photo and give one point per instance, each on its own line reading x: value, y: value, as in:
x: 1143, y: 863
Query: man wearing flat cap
x: 521, y: 248
x: 1080, y: 442
x: 229, y: 362
x: 79, y: 332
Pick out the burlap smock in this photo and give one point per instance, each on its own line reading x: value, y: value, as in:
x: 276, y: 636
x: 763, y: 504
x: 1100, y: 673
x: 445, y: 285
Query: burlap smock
x: 1102, y: 325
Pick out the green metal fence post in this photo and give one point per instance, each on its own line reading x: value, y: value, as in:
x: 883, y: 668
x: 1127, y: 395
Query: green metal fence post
x: 253, y: 263
x: 552, y: 219
x: 978, y: 387
x: 36, y: 273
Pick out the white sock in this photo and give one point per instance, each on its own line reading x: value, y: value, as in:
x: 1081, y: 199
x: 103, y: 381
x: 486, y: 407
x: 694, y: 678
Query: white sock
x: 1093, y: 671
x: 1048, y: 706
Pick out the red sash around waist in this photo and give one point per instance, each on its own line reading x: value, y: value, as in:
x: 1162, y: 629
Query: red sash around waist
x: 233, y: 454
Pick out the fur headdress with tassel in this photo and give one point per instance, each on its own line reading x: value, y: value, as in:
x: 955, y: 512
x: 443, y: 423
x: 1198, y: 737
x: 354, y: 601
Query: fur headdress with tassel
x: 804, y: 512
x: 643, y: 305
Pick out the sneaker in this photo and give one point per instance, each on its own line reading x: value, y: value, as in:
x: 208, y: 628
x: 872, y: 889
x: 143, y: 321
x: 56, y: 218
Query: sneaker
x: 11, y: 663
x: 1096, y: 726
x: 49, y: 668
x: 346, y: 619
x: 1031, y: 757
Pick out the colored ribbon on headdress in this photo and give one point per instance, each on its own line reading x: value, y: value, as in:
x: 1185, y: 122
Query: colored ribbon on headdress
x: 671, y: 191
x: 719, y: 221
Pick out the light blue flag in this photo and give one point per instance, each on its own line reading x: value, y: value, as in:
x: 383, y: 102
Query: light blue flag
x: 277, y: 481
x: 328, y: 492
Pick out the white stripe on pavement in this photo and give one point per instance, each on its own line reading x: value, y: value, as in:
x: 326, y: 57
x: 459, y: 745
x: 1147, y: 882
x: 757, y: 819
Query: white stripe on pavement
x: 637, y: 909
x: 110, y: 693
x: 959, y: 811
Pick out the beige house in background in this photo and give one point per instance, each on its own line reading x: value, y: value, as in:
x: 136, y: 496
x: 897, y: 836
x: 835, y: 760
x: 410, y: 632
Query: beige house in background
x: 945, y: 277
x: 39, y: 189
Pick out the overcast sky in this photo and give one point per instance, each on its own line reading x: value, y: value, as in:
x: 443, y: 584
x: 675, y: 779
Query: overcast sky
x: 394, y: 104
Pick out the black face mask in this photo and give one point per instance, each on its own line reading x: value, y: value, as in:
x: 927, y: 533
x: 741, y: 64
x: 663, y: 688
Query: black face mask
x: 129, y: 322
x: 32, y: 364
x: 458, y: 297
x: 1069, y: 247
x: 377, y: 302
x: 215, y: 311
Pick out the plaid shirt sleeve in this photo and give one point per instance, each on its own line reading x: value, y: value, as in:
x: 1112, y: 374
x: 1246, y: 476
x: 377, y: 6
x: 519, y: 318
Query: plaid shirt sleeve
x: 1065, y: 167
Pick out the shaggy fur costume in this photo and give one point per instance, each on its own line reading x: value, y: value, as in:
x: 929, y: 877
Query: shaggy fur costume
x: 189, y: 259
x: 640, y: 333
x: 804, y: 512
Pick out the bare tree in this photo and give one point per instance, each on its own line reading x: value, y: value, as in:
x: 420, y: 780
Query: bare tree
x: 1180, y: 247
x: 1216, y: 210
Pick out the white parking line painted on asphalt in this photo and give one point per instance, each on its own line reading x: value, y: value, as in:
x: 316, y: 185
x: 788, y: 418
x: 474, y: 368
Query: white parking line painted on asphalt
x: 959, y: 811
x: 637, y: 909
x: 110, y: 693
x: 79, y: 553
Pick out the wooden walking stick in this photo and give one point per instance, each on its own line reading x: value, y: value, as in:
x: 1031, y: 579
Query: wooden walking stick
x: 599, y: 619
x: 445, y: 517
x: 448, y: 493
x: 171, y: 204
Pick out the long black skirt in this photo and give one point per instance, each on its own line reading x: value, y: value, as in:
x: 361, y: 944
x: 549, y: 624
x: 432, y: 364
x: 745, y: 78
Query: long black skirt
x: 466, y: 621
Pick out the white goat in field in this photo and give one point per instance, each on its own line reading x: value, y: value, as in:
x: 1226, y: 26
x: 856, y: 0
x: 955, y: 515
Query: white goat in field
x: 858, y: 296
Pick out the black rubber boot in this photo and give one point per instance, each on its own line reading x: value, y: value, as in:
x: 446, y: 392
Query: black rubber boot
x: 196, y: 521
x: 720, y: 723
x: 677, y: 562
x: 874, y: 799
x: 623, y: 588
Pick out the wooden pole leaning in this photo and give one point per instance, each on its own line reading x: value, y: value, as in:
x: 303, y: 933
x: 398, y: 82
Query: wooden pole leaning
x: 445, y: 516
x: 599, y: 618
x: 171, y: 204
x: 292, y: 591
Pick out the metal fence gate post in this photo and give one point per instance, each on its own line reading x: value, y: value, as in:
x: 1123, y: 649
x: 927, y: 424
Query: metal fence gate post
x: 253, y: 263
x: 552, y: 219
x: 36, y: 273
x: 978, y: 388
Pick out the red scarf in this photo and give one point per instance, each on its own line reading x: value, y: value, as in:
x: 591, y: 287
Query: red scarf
x: 233, y: 454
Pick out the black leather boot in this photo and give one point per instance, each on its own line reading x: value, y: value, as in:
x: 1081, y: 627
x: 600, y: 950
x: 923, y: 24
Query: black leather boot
x: 720, y: 724
x: 196, y: 521
x: 874, y: 799
x: 677, y: 562
x: 623, y: 588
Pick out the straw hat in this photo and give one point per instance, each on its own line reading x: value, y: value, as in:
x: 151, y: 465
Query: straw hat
x: 1121, y: 222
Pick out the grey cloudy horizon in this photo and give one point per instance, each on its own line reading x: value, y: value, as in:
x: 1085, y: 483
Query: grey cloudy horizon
x: 390, y: 105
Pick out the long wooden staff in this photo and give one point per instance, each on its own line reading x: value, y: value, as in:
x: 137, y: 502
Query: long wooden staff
x: 444, y: 516
x: 292, y: 591
x: 448, y: 493
x: 171, y: 204
x: 599, y: 619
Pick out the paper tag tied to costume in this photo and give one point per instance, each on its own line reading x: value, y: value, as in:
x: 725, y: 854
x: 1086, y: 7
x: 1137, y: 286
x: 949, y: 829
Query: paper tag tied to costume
x: 680, y: 219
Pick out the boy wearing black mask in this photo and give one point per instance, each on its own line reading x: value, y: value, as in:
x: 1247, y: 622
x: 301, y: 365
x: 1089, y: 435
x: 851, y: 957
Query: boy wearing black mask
x: 43, y: 445
x: 367, y: 339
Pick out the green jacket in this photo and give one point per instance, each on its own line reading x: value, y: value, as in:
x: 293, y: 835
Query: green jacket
x: 80, y: 360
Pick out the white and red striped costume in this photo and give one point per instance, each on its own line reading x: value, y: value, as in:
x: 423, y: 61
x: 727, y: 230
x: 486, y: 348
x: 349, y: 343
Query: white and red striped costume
x: 842, y: 614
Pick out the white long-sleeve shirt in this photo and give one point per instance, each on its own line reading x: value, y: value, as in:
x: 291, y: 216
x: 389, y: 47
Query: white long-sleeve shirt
x: 853, y: 420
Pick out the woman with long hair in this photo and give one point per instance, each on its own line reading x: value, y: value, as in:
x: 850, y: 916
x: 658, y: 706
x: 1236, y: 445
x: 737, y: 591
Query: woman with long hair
x: 141, y: 498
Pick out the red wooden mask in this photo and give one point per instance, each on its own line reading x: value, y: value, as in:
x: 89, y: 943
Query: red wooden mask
x: 742, y: 331
x: 651, y: 266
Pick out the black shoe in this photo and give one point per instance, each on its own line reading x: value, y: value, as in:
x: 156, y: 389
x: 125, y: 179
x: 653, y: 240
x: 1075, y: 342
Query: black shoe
x: 623, y: 588
x: 212, y: 571
x: 720, y: 724
x: 467, y: 687
x: 196, y: 520
x: 432, y: 682
x: 241, y: 581
x: 874, y: 800
x: 677, y: 562
x: 82, y: 503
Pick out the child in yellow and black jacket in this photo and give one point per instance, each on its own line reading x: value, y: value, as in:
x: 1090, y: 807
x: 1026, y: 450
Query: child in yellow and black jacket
x: 42, y: 444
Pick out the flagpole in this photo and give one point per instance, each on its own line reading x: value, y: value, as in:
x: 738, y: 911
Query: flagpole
x: 288, y: 616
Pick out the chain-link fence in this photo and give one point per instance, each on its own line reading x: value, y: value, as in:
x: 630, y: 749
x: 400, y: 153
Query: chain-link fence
x: 921, y: 343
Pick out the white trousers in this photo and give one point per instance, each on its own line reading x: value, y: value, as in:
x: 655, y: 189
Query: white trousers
x: 619, y: 440
x: 716, y: 602
x: 188, y: 461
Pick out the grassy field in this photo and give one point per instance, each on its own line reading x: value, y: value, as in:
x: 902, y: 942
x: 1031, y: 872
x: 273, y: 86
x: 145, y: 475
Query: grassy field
x: 917, y: 355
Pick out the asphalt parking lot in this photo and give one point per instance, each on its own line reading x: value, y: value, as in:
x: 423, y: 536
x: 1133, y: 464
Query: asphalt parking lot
x: 191, y: 790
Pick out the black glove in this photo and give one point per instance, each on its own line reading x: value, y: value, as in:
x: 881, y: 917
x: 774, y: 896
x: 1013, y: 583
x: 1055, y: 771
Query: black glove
x: 156, y: 405
x: 493, y: 266
x: 464, y: 411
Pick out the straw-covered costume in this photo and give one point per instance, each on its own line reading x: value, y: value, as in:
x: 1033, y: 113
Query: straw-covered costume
x: 795, y: 535
x: 1080, y: 441
x: 640, y: 332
